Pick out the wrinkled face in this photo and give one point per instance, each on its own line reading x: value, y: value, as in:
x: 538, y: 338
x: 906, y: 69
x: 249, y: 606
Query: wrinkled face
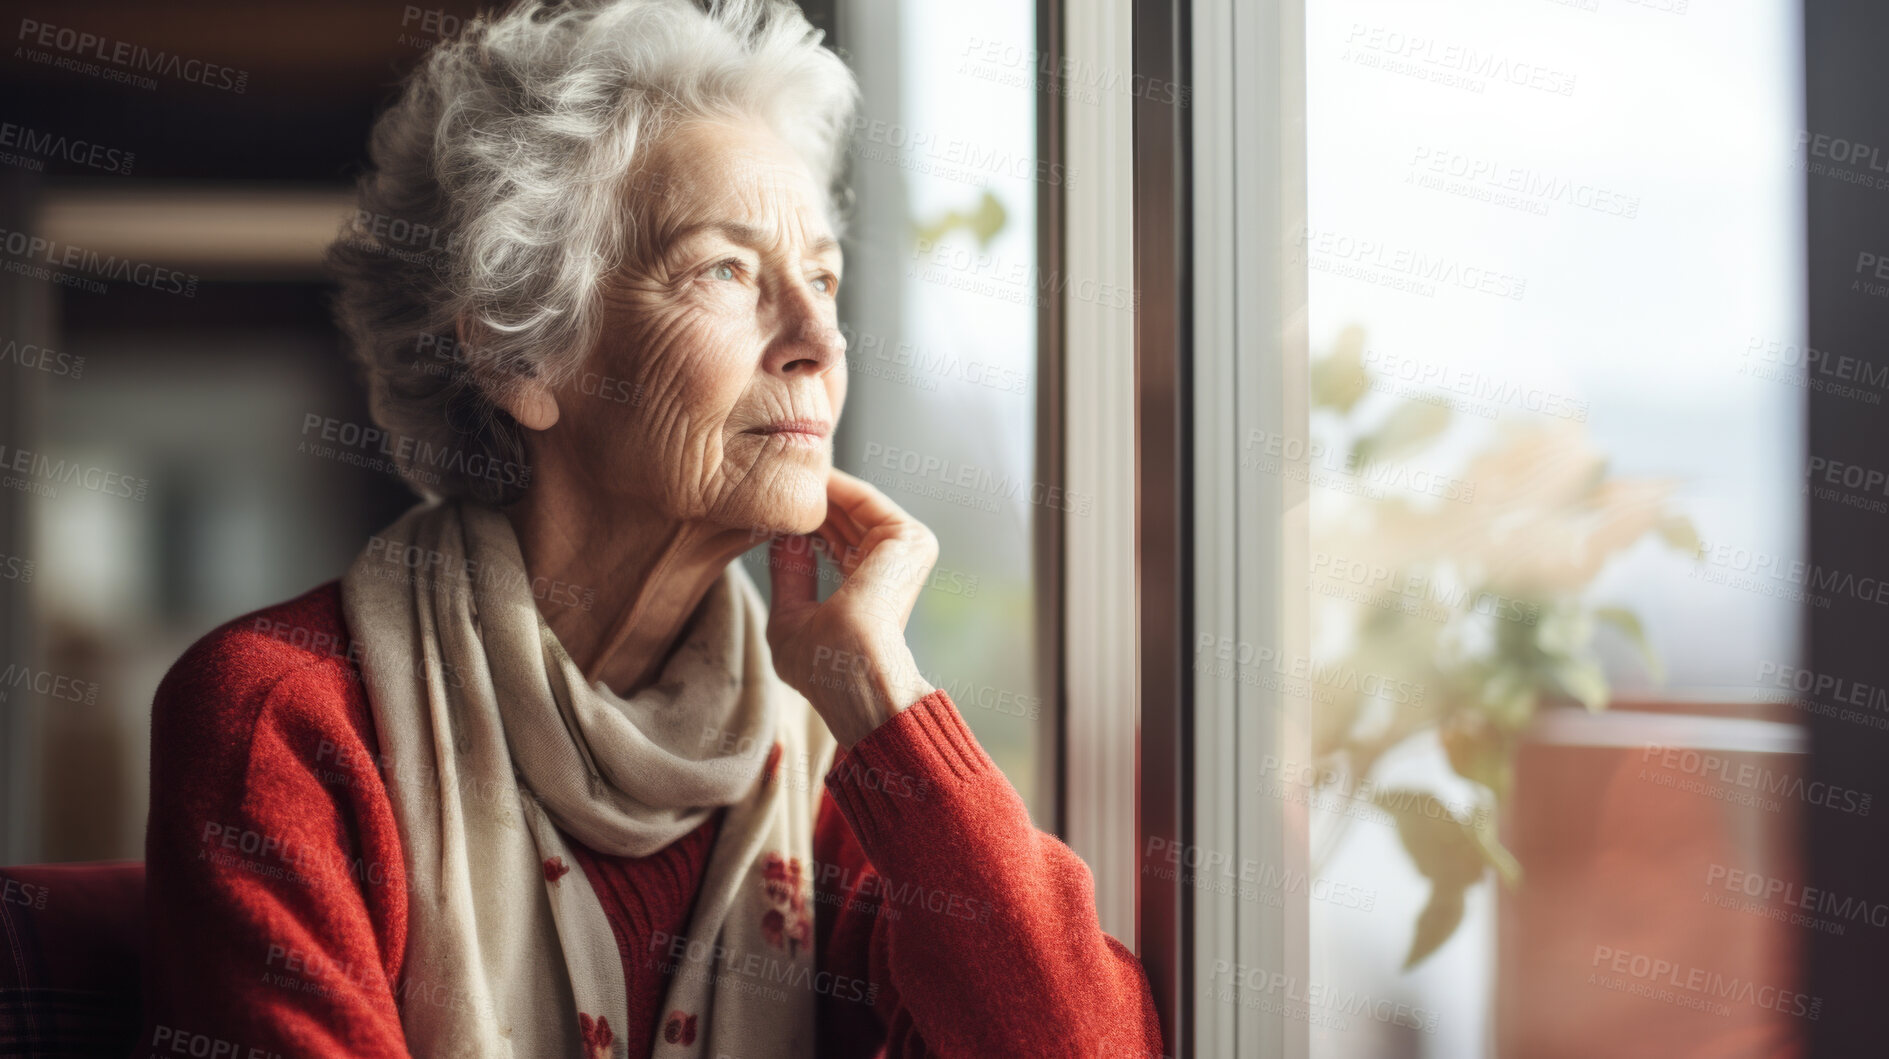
x: 713, y: 394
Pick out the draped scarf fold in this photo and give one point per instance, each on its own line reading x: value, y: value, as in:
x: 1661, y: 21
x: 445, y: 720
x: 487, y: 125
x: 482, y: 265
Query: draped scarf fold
x: 494, y: 747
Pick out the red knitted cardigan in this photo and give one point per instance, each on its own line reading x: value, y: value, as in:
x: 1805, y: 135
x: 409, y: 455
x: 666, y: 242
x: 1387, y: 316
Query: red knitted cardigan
x: 945, y: 924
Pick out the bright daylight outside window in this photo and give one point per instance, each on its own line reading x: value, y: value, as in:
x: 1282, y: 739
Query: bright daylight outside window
x: 1558, y: 490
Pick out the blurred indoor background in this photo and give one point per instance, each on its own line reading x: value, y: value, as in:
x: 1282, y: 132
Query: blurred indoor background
x: 201, y: 390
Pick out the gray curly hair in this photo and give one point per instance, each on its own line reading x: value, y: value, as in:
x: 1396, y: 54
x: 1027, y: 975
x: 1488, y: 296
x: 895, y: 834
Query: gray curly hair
x: 494, y: 202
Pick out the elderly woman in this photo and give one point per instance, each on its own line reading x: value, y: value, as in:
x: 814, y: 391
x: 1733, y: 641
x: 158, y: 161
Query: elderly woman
x: 542, y: 775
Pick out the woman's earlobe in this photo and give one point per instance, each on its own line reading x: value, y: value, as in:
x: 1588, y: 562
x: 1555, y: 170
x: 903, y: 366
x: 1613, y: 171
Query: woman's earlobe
x: 532, y: 405
x: 526, y: 399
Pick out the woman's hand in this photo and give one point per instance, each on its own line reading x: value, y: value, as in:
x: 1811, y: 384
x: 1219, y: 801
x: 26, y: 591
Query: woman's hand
x: 847, y: 653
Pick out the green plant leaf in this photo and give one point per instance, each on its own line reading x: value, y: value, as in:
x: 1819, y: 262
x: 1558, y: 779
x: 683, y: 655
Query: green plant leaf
x: 1493, y: 851
x: 1338, y: 378
x: 1563, y: 631
x: 1438, y: 920
x: 1509, y: 693
x: 1477, y: 751
x: 1442, y: 846
x: 1629, y: 623
x: 1447, y: 851
x: 987, y: 220
x: 1678, y: 531
x: 1583, y: 679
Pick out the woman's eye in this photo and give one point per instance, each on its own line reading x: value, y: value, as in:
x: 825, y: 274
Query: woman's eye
x: 823, y: 284
x: 725, y: 270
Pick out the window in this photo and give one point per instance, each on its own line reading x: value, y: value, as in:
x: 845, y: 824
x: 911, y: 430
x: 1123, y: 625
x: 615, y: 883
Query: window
x: 1557, y: 395
x: 940, y: 307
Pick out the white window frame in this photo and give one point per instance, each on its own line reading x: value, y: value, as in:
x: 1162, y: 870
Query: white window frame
x: 1100, y: 677
x: 1241, y: 341
x: 1251, y: 528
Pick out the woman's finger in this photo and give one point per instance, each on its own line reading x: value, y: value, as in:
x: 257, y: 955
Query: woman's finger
x: 895, y: 553
x: 864, y: 502
x: 844, y: 553
x: 843, y: 524
x: 848, y: 532
x: 845, y: 520
x: 848, y: 528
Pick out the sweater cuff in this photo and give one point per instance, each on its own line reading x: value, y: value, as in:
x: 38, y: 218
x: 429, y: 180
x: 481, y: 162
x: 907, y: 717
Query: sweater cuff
x: 905, y: 765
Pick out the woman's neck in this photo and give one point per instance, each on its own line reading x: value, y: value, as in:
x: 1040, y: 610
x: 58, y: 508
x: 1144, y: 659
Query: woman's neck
x: 618, y: 590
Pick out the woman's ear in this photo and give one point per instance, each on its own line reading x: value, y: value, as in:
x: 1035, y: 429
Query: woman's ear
x: 526, y: 398
x: 530, y: 403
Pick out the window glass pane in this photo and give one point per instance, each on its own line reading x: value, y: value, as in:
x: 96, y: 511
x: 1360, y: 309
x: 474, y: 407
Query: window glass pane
x: 1557, y: 429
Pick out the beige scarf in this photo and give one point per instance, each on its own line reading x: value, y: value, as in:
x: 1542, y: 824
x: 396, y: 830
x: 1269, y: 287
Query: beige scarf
x: 491, y: 740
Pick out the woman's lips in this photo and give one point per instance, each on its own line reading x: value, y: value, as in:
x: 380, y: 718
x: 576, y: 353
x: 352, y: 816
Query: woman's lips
x: 807, y: 431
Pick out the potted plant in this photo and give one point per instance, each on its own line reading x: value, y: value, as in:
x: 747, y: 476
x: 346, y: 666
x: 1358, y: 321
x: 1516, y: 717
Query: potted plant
x: 1478, y: 599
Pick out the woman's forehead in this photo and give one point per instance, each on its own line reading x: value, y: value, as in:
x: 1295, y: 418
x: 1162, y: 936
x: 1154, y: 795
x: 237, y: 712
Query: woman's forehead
x: 743, y: 191
x: 714, y: 158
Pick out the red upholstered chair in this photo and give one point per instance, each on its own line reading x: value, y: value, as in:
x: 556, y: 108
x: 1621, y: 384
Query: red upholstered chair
x: 71, y: 939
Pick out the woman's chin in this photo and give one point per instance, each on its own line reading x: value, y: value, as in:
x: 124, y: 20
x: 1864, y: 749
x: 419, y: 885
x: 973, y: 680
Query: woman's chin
x: 807, y: 521
x: 790, y: 509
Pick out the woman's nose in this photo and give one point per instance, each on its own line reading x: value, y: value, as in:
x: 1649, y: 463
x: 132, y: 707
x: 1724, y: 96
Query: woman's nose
x: 808, y: 342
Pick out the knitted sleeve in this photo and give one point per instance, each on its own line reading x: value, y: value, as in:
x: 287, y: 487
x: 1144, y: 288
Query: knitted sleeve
x: 975, y: 932
x: 275, y: 893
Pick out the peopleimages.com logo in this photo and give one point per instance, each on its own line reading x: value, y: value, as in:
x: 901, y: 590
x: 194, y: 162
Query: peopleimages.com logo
x: 122, y: 60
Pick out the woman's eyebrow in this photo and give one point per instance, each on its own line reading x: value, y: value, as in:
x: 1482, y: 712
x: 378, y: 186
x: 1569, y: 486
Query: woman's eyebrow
x: 734, y: 231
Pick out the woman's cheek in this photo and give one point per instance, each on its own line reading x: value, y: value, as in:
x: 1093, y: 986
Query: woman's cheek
x: 714, y: 372
x: 681, y: 356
